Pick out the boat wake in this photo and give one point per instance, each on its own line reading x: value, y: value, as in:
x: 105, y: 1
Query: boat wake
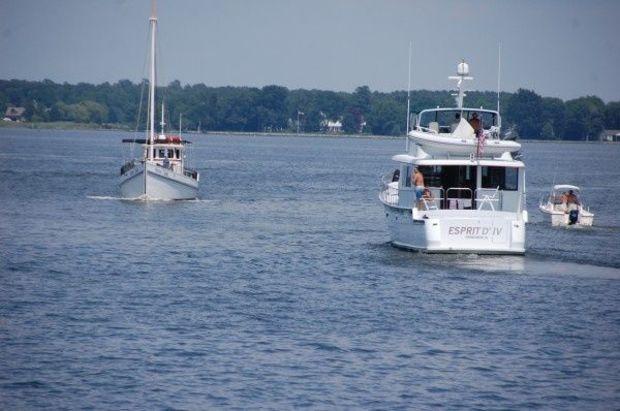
x: 112, y: 198
x: 145, y: 199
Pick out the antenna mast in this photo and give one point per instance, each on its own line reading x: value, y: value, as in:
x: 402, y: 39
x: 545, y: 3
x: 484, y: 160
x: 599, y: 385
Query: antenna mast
x: 462, y: 73
x: 408, y: 99
x: 499, y: 68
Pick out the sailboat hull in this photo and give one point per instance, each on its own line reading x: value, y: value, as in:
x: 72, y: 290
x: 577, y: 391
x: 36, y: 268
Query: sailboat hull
x: 159, y: 184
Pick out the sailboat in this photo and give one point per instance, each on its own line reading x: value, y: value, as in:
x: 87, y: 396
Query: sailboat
x: 160, y: 173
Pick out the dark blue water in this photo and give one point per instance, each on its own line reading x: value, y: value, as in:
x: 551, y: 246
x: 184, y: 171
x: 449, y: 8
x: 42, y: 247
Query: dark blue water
x: 278, y: 289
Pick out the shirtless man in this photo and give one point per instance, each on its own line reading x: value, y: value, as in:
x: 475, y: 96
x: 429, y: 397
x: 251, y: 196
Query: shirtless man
x: 571, y: 198
x: 417, y: 180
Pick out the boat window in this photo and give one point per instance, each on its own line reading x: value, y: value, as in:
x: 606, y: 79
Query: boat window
x: 154, y: 152
x: 161, y: 153
x: 178, y: 153
x: 506, y: 178
x: 450, y: 177
x: 488, y: 119
x: 432, y: 175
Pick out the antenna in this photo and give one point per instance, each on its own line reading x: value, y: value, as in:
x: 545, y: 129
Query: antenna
x: 462, y: 73
x: 408, y: 98
x: 163, y: 122
x: 499, y: 68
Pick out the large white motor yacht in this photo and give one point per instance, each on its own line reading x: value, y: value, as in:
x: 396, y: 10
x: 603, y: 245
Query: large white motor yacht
x: 160, y: 173
x: 474, y: 189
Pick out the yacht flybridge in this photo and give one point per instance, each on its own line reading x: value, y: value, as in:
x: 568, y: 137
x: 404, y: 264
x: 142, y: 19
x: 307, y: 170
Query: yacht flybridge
x: 160, y: 173
x: 469, y: 194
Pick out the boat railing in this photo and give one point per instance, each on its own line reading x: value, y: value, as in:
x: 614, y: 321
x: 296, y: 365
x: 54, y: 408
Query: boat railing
x: 427, y: 129
x: 458, y: 198
x: 191, y: 173
x: 488, y: 198
x: 433, y: 198
x: 389, y: 189
x: 128, y: 166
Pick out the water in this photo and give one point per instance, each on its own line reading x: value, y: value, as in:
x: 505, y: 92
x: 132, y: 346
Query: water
x: 278, y: 288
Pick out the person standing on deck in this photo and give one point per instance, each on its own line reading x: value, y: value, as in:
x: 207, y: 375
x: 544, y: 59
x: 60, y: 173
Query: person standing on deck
x: 417, y: 180
x: 476, y: 124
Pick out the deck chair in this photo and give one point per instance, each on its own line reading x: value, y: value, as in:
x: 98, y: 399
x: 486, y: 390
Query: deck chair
x: 489, y: 199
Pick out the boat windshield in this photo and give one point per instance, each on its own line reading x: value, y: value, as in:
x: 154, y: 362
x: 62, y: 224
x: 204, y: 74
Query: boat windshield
x: 445, y: 121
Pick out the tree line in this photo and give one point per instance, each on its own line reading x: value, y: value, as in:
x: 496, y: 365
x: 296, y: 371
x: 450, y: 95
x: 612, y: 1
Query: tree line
x: 275, y: 108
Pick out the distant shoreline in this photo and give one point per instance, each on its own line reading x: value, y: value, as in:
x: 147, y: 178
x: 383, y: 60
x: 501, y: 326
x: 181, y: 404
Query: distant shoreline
x: 70, y: 126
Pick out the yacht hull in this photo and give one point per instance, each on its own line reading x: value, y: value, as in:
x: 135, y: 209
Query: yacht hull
x: 462, y: 231
x: 159, y: 184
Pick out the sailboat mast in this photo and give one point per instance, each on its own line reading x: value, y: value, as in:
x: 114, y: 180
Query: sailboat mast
x: 152, y: 79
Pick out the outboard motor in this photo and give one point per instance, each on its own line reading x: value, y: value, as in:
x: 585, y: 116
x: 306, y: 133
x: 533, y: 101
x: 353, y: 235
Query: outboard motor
x: 573, y: 217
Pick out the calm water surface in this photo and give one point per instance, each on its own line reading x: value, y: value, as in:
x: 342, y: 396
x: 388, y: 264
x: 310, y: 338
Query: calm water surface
x: 278, y: 289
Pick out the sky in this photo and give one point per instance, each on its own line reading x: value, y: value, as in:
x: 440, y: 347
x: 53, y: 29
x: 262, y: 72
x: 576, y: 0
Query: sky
x: 558, y: 48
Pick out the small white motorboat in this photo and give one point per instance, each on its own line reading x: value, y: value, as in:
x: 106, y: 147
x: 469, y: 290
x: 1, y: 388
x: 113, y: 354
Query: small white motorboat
x: 566, y: 208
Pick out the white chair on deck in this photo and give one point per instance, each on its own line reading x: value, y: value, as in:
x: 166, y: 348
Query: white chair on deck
x: 489, y: 199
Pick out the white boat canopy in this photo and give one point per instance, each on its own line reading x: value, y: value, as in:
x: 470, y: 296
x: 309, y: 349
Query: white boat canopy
x: 560, y: 187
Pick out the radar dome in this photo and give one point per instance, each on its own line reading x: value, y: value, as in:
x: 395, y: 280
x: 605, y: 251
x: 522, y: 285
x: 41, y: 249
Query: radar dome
x: 462, y: 69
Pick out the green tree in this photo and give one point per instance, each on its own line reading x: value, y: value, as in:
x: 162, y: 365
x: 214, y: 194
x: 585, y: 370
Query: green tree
x: 525, y: 110
x: 585, y: 118
x: 612, y: 115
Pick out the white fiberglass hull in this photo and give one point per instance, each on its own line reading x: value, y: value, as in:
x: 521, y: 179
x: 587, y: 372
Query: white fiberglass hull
x: 436, y: 144
x: 159, y: 184
x: 561, y: 218
x: 457, y: 231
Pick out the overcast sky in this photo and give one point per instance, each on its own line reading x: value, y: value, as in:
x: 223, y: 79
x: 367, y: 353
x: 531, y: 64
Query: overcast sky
x: 558, y: 48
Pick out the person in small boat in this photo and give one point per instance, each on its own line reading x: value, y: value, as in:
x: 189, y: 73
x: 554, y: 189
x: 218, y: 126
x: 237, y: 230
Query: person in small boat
x: 396, y: 176
x: 476, y: 124
x: 417, y: 180
x: 572, y: 207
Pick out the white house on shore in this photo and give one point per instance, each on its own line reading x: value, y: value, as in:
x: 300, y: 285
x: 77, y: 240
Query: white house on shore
x: 331, y: 126
x: 610, y: 135
x: 14, y: 114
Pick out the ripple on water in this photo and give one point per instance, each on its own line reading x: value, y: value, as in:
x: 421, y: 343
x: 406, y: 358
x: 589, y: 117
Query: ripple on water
x: 278, y: 288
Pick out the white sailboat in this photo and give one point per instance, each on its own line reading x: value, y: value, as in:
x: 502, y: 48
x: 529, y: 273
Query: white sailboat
x: 473, y: 197
x: 160, y: 173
